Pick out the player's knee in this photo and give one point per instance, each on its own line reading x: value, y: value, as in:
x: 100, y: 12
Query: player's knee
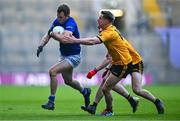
x: 52, y: 73
x: 137, y: 91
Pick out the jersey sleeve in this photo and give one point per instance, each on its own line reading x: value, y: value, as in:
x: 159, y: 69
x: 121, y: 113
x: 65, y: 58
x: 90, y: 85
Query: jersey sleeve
x: 105, y: 36
x: 53, y: 25
x: 70, y: 26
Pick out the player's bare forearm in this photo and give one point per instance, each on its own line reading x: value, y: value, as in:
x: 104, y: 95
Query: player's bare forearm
x: 103, y: 64
x: 44, y: 40
x: 88, y: 41
x: 84, y: 41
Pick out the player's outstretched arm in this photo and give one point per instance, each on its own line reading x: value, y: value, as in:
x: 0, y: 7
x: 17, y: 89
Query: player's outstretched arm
x: 104, y: 64
x: 83, y: 41
x: 101, y: 66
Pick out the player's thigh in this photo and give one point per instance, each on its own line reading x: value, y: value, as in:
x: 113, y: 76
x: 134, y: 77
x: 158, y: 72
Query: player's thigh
x: 111, y: 81
x: 102, y: 83
x: 107, y: 74
x: 105, y: 77
x: 60, y: 67
x: 136, y: 80
x: 117, y: 72
x: 118, y: 86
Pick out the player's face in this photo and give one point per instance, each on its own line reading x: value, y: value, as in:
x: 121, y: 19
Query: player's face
x: 61, y: 17
x: 102, y: 22
x: 100, y: 30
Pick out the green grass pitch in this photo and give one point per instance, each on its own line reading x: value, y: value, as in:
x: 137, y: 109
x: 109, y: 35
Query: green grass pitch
x: 24, y: 103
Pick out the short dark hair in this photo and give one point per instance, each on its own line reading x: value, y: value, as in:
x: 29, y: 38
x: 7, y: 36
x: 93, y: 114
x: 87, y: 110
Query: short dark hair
x: 64, y: 8
x: 108, y: 15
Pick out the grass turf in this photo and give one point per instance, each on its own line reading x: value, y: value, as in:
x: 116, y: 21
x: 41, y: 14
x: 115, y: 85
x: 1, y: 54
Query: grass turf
x: 24, y: 103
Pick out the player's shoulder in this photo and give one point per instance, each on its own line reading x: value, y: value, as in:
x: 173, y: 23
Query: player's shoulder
x: 71, y: 20
x: 110, y: 31
x: 107, y: 34
x: 55, y: 20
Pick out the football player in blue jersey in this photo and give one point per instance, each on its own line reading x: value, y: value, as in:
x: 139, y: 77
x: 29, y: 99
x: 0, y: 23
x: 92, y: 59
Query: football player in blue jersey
x: 70, y: 56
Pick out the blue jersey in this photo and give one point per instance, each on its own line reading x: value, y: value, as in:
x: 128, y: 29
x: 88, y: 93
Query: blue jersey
x: 70, y: 25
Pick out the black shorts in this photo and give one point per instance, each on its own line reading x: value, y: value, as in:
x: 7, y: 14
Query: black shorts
x: 137, y: 67
x: 121, y: 71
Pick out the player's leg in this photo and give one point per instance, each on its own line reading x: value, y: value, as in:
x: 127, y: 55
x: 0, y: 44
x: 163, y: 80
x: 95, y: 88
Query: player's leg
x: 117, y: 73
x: 137, y: 87
x: 120, y: 89
x: 72, y: 62
x: 110, y: 82
x: 99, y: 95
x: 67, y: 76
x: 117, y: 88
x: 54, y: 70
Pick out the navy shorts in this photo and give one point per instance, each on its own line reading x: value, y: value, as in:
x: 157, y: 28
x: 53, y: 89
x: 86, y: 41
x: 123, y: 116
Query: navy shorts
x: 137, y: 67
x: 121, y: 71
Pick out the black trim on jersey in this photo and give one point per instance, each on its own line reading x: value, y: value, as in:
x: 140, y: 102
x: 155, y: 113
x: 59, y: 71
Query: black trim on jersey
x: 119, y: 34
x: 99, y: 38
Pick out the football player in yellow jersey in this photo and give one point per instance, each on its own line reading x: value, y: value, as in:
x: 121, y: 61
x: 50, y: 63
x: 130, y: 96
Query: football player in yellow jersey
x: 118, y: 50
x: 119, y: 88
x: 136, y: 70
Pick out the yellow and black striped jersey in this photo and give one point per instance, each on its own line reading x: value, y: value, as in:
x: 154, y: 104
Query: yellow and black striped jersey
x: 116, y: 45
x: 136, y: 58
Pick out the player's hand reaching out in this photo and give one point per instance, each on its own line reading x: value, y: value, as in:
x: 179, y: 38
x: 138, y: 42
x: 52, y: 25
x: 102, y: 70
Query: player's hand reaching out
x: 67, y: 33
x: 91, y: 73
x: 65, y: 37
x: 39, y: 50
x: 70, y: 39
